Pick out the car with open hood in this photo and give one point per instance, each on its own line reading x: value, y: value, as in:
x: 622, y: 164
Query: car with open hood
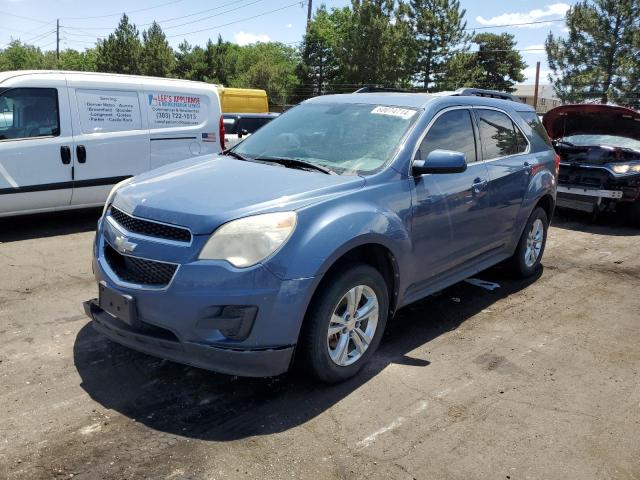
x: 305, y: 238
x: 599, y: 148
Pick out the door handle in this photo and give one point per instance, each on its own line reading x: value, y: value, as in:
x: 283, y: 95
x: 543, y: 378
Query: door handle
x: 65, y: 154
x: 479, y: 186
x: 81, y: 153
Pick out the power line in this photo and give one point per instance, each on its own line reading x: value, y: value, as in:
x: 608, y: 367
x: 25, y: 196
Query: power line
x: 237, y: 21
x: 127, y: 13
x: 173, y: 19
x: 26, y: 18
x: 516, y: 24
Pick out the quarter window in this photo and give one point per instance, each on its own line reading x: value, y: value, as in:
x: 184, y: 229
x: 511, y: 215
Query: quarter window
x: 453, y: 130
x: 499, y: 136
x: 29, y: 113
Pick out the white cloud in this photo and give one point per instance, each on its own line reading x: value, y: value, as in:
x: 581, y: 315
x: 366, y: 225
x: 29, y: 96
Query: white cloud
x: 530, y: 74
x: 554, y: 10
x: 289, y: 25
x: 247, y: 38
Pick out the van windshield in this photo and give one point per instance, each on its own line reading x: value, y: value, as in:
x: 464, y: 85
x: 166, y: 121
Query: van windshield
x: 350, y: 139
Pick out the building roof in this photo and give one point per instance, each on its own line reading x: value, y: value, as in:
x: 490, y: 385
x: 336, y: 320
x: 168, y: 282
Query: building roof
x: 527, y: 90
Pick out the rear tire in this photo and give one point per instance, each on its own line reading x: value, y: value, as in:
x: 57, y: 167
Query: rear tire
x: 526, y: 260
x: 345, y: 323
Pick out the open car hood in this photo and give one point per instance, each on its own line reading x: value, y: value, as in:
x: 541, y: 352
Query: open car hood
x: 592, y: 119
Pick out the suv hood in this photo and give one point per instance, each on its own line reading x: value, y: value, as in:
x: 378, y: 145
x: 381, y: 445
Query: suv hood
x: 592, y: 119
x: 206, y: 192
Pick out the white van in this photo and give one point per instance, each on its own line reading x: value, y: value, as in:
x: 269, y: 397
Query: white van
x: 67, y: 137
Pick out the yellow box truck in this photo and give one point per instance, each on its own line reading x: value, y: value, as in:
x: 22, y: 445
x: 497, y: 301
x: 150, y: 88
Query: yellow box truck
x: 243, y: 100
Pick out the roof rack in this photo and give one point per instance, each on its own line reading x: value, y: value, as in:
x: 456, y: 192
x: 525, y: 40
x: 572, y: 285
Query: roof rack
x: 479, y: 92
x: 373, y: 89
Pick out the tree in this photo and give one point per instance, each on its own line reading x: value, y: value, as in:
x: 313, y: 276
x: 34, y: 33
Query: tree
x: 439, y: 29
x: 20, y: 56
x: 600, y: 57
x: 319, y: 64
x: 496, y: 65
x: 158, y: 59
x: 121, y: 52
x: 374, y: 44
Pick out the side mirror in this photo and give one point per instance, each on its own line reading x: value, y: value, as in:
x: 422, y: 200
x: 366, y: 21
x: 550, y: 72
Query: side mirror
x: 243, y: 132
x: 440, y: 161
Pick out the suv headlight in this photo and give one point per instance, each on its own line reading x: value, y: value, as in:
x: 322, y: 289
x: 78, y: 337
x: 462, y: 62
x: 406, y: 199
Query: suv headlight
x: 113, y: 191
x: 631, y: 168
x: 247, y: 241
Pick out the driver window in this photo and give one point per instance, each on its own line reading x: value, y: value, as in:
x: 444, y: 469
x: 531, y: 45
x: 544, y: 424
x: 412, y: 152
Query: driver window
x: 29, y: 113
x: 453, y: 130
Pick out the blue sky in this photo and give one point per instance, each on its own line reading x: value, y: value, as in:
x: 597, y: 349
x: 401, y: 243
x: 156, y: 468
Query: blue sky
x: 245, y: 21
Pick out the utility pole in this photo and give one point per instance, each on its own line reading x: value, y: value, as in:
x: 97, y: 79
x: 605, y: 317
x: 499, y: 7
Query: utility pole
x: 58, y: 39
x: 535, y: 90
x: 309, y: 11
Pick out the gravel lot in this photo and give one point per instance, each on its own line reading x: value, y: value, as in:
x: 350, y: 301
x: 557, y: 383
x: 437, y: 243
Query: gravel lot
x: 537, y: 380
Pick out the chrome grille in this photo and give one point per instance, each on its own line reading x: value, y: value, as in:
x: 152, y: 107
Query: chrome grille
x: 138, y: 270
x: 149, y: 228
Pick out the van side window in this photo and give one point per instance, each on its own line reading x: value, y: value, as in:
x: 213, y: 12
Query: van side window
x: 453, y: 130
x: 499, y: 136
x: 29, y: 113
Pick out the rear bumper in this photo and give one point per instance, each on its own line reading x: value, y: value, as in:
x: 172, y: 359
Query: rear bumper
x: 247, y: 363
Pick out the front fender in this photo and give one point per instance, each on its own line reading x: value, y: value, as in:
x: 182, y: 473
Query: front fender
x: 327, y: 234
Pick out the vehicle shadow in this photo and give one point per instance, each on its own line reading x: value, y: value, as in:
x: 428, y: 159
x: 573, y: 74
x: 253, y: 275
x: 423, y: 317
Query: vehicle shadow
x: 195, y: 403
x: 41, y: 225
x: 612, y: 224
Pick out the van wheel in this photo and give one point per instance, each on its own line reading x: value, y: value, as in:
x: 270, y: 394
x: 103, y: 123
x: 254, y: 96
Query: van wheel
x: 634, y: 214
x: 526, y: 259
x: 345, y: 323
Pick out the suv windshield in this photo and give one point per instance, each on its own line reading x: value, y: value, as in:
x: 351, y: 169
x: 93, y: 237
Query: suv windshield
x: 608, y: 140
x: 349, y: 139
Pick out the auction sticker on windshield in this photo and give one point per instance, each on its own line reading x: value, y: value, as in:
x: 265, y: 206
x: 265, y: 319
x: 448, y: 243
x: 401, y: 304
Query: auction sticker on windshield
x: 394, y: 112
x: 171, y: 110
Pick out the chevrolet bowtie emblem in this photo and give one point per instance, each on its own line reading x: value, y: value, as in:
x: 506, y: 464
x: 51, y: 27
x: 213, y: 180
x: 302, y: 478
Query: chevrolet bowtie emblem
x: 124, y: 245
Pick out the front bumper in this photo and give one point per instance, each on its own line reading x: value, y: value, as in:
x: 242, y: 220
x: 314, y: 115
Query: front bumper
x: 198, y: 318
x: 247, y: 363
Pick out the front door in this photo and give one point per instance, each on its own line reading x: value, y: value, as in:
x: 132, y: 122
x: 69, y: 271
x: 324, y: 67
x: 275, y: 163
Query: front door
x: 35, y: 146
x: 111, y: 139
x: 450, y: 220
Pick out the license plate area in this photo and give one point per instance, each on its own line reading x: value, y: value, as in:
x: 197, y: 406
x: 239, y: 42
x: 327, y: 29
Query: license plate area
x: 120, y: 306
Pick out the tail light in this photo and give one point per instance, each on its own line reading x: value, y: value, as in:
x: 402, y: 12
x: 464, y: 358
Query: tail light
x: 221, y: 132
x: 557, y: 165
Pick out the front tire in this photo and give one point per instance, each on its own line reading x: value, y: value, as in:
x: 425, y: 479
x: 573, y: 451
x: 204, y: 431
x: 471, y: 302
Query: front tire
x: 345, y: 323
x: 634, y: 214
x: 526, y: 259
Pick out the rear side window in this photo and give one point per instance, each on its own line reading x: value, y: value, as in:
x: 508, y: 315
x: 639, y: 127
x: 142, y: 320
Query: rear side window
x: 230, y: 126
x: 499, y: 135
x: 29, y: 113
x: 534, y: 122
x: 251, y: 125
x: 453, y: 130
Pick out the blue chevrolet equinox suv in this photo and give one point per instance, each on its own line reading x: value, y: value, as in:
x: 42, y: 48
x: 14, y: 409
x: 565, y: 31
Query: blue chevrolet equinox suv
x: 307, y: 236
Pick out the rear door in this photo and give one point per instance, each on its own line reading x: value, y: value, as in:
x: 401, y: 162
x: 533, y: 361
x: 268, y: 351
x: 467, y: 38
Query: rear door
x: 35, y: 144
x: 111, y: 137
x: 505, y: 151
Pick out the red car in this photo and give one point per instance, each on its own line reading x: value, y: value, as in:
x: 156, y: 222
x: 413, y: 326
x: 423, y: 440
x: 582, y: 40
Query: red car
x: 599, y: 148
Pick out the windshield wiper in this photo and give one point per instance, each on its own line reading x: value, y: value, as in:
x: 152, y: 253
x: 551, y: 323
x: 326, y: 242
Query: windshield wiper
x: 233, y: 154
x: 297, y: 163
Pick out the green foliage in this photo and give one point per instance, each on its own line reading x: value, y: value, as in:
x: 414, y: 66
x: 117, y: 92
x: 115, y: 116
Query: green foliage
x: 319, y: 65
x: 20, y: 56
x: 158, y: 59
x: 439, y: 28
x: 496, y: 65
x: 600, y: 57
x: 121, y: 52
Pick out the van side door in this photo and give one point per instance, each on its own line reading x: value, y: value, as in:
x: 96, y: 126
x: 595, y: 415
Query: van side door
x: 35, y: 144
x: 505, y: 151
x: 450, y: 215
x: 111, y: 138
